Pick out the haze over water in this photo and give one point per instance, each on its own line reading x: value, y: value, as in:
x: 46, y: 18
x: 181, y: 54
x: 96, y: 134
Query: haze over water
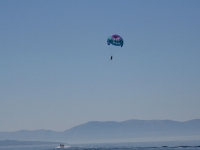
x: 119, y: 146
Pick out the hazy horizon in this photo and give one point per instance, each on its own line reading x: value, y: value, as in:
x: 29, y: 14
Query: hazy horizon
x: 102, y: 122
x: 56, y: 71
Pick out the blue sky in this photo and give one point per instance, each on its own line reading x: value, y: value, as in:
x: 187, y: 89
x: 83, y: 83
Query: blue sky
x: 55, y: 71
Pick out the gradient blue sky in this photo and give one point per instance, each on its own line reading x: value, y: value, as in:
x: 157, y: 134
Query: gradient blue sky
x: 55, y: 71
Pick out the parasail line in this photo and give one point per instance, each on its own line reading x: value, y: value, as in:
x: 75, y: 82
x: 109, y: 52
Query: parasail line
x: 87, y: 100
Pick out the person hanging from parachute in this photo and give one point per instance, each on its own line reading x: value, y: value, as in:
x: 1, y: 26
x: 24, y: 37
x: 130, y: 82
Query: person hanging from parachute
x: 115, y: 40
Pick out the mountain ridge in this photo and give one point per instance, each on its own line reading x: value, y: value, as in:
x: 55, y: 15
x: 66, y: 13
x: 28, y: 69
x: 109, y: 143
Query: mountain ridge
x: 95, y: 131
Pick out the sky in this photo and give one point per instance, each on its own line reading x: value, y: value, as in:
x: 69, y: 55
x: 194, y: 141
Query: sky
x: 56, y: 72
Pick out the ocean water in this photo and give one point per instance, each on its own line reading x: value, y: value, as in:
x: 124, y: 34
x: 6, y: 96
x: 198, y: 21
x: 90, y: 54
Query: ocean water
x: 116, y: 146
x: 99, y: 148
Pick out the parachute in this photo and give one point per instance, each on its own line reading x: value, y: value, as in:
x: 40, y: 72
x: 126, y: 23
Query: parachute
x: 115, y: 40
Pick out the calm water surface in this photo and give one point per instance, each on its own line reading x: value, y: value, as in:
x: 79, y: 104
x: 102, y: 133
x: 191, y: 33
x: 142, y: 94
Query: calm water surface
x: 121, y: 146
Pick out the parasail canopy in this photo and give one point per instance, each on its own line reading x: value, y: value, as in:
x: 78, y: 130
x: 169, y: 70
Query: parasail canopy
x: 115, y: 40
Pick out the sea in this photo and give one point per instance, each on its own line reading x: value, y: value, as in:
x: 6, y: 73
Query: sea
x: 188, y: 145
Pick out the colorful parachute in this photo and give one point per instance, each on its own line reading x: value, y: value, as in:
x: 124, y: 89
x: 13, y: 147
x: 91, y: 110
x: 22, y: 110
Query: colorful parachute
x: 115, y: 40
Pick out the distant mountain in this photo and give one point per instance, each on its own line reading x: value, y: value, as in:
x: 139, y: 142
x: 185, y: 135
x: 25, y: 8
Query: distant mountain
x: 35, y: 135
x: 111, y: 131
x: 25, y: 143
